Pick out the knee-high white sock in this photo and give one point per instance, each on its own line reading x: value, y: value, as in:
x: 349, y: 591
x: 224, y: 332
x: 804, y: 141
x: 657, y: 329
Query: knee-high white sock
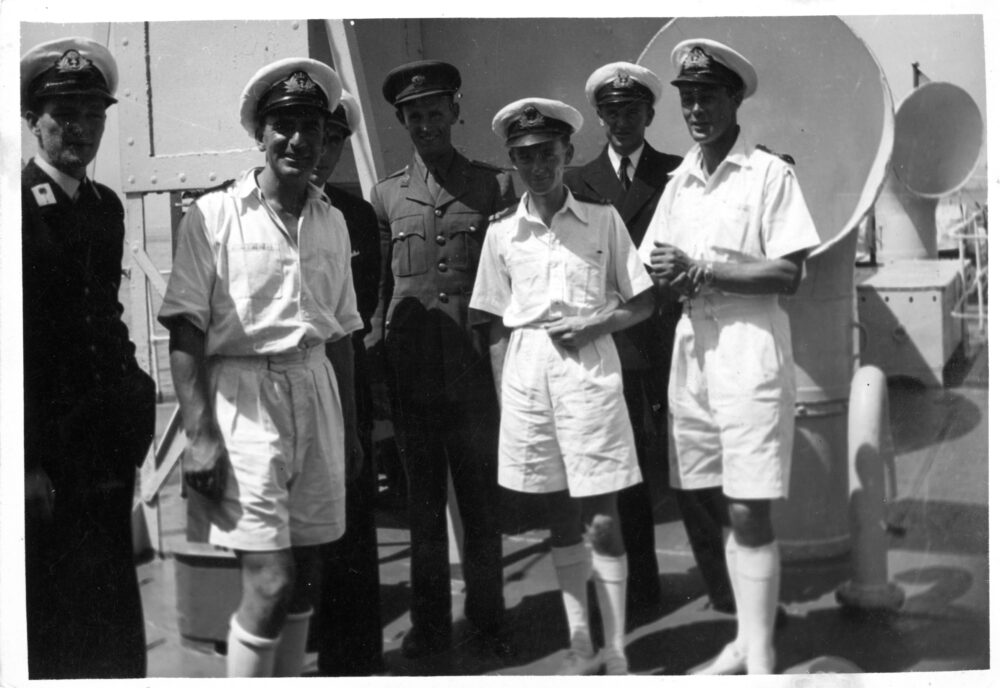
x: 610, y: 576
x: 573, y: 567
x: 759, y: 578
x: 732, y: 565
x: 290, y: 654
x: 248, y: 655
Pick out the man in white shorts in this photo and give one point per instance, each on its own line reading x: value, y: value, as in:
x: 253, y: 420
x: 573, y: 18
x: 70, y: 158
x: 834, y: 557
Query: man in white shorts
x: 559, y: 274
x: 260, y: 287
x: 730, y: 234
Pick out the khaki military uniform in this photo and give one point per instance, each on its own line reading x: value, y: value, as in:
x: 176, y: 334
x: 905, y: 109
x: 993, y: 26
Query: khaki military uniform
x: 438, y: 372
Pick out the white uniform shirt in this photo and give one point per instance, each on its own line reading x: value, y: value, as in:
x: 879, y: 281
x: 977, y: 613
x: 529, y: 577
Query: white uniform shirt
x: 239, y: 277
x: 584, y: 264
x: 750, y: 209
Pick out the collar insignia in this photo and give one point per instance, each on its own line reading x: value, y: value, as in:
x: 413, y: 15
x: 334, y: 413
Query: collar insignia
x: 43, y: 194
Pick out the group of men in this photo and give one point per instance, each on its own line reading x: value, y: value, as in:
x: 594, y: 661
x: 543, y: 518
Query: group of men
x: 526, y: 343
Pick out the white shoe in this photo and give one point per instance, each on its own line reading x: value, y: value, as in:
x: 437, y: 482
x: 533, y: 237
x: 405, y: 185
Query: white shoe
x: 615, y: 663
x: 578, y: 664
x: 731, y: 660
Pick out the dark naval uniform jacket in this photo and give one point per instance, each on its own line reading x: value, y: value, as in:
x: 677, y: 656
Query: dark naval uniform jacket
x: 636, y: 207
x: 89, y: 416
x: 430, y: 252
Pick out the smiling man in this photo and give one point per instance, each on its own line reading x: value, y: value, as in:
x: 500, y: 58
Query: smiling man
x: 558, y: 276
x: 730, y: 235
x: 432, y: 219
x: 260, y: 292
x: 631, y: 174
x: 89, y: 409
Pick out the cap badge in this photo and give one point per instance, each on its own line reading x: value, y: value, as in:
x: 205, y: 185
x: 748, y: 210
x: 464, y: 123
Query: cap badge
x: 622, y: 80
x: 697, y: 58
x: 72, y: 61
x: 530, y: 117
x: 418, y: 80
x: 300, y: 82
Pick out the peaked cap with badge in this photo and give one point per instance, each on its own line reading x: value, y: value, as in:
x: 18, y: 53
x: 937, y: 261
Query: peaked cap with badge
x: 704, y: 61
x: 622, y: 82
x: 529, y: 121
x: 420, y: 79
x: 72, y: 66
x: 292, y: 81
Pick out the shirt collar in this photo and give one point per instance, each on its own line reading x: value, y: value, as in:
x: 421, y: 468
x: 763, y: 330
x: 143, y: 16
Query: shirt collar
x: 443, y: 167
x: 246, y: 186
x: 616, y: 160
x: 570, y: 205
x: 67, y: 183
x: 738, y: 155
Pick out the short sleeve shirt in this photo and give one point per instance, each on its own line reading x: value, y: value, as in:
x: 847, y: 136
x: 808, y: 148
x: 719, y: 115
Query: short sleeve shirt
x: 583, y: 265
x: 239, y: 277
x: 750, y: 209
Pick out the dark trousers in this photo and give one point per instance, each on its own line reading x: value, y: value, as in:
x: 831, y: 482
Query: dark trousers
x: 347, y: 628
x: 84, y: 611
x: 704, y: 513
x: 635, y: 507
x: 460, y: 437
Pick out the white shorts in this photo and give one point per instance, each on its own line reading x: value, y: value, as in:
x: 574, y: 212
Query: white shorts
x: 563, y: 420
x: 732, y: 398
x: 282, y: 422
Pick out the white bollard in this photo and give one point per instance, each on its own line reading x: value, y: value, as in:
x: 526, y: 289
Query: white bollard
x: 869, y: 449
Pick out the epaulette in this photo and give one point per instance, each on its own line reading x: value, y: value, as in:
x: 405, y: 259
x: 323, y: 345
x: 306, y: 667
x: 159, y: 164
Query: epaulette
x: 781, y: 156
x: 586, y: 198
x: 397, y: 173
x: 506, y: 212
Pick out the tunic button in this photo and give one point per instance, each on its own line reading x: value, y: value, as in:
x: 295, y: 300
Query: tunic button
x: 439, y: 212
x: 442, y: 297
x: 440, y: 239
x: 86, y: 291
x: 402, y: 234
x: 442, y: 267
x: 93, y: 348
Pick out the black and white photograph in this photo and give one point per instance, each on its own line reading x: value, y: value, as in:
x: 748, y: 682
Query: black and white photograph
x: 385, y: 342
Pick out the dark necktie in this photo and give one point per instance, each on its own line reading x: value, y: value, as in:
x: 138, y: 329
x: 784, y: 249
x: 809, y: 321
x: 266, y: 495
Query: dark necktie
x: 623, y: 174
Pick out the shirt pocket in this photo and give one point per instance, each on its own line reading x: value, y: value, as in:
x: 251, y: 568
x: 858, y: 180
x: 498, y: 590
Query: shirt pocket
x: 586, y: 269
x: 409, y: 246
x: 256, y: 271
x: 731, y: 236
x: 463, y: 239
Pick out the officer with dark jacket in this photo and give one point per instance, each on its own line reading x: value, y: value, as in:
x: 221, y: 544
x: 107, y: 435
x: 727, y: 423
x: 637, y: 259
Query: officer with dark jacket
x: 348, y: 627
x: 89, y: 409
x: 432, y: 219
x: 631, y: 174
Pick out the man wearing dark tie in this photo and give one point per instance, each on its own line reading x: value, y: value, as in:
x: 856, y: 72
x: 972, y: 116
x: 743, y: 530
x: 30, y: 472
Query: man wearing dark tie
x: 631, y: 174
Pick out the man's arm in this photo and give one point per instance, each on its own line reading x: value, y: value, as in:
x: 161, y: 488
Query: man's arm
x: 206, y: 456
x: 574, y: 332
x: 341, y: 355
x: 672, y: 267
x: 499, y: 339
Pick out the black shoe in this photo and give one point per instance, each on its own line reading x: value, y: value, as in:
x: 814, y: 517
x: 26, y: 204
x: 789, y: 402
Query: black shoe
x: 418, y: 644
